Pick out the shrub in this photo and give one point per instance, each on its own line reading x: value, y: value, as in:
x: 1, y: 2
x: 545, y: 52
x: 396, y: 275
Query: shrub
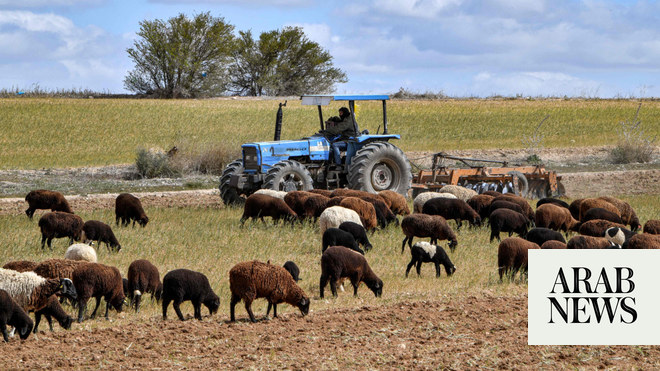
x: 154, y: 163
x: 209, y: 158
x: 534, y: 144
x: 634, y: 145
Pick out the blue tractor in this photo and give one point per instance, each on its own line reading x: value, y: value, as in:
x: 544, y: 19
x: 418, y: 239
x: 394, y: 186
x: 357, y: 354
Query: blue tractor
x: 363, y: 161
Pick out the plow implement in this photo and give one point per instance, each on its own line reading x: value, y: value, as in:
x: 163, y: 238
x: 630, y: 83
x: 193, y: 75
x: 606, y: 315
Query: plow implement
x: 532, y: 181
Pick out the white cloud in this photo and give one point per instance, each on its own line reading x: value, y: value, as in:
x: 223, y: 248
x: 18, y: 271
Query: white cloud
x: 241, y: 2
x: 317, y: 32
x: 415, y: 8
x: 45, y: 3
x: 536, y: 83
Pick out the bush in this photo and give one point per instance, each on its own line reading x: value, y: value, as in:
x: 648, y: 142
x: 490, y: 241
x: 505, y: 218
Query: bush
x: 634, y: 145
x: 153, y: 163
x: 208, y: 158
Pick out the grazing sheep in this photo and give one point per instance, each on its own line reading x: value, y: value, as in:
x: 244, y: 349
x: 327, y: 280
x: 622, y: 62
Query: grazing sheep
x: 12, y: 314
x: 540, y: 235
x: 553, y: 245
x: 527, y: 210
x: 423, y: 225
x: 293, y: 269
x: 602, y: 214
x: 481, y: 204
x: 358, y: 232
x: 501, y: 204
x: 334, y: 201
x: 100, y: 232
x: 52, y: 309
x: 94, y: 280
x: 597, y: 227
x: 296, y: 201
x: 143, y: 277
x: 398, y: 203
x: 455, y: 209
x: 251, y: 280
x: 505, y: 220
x: 424, y: 252
x: 271, y: 192
x: 339, y: 262
x: 43, y: 199
x: 82, y: 252
x: 556, y: 218
x: 259, y: 206
x: 644, y: 241
x: 21, y: 265
x: 652, y: 226
x: 32, y: 291
x: 420, y: 200
x: 323, y: 192
x: 592, y: 203
x: 628, y: 215
x: 512, y: 256
x: 333, y: 216
x: 364, y: 209
x: 343, y: 192
x: 129, y: 207
x: 181, y: 285
x: 492, y: 193
x: 57, y: 268
x: 588, y: 242
x: 384, y: 216
x: 574, y: 208
x: 619, y: 235
x: 551, y: 200
x: 314, y: 206
x: 338, y: 237
x: 461, y: 193
x: 59, y: 224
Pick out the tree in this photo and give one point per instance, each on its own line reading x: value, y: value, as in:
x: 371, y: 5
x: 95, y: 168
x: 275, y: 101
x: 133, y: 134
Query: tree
x: 180, y: 57
x: 281, y: 62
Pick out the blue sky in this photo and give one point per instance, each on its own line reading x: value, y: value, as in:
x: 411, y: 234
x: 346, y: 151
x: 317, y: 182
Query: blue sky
x: 584, y: 48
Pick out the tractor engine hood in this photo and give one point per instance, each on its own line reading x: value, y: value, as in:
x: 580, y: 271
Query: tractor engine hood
x: 261, y: 156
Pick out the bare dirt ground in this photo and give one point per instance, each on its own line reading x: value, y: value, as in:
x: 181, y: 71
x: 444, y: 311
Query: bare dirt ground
x: 472, y: 332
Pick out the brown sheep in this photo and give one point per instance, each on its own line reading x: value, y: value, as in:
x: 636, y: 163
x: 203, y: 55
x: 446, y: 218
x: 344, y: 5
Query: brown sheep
x: 259, y: 206
x: 251, y: 280
x: 364, y: 209
x: 343, y: 192
x: 652, y: 226
x: 57, y: 268
x: 455, y: 209
x: 127, y: 208
x: 574, y: 208
x: 520, y: 201
x: 384, y: 215
x: 100, y: 232
x: 314, y: 206
x: 339, y: 262
x: 21, y: 265
x: 492, y: 193
x: 592, y: 203
x: 588, y: 242
x: 143, y: 277
x: 501, y: 204
x: 481, y: 204
x: 628, y: 215
x: 322, y: 192
x: 423, y: 225
x: 553, y: 244
x: 32, y: 291
x: 334, y: 201
x: 52, y: 309
x: 507, y: 220
x: 94, y: 280
x: 597, y: 227
x: 58, y: 224
x: 397, y: 202
x: 512, y: 255
x: 600, y: 213
x: 43, y: 199
x: 296, y: 200
x: 644, y: 241
x: 556, y: 218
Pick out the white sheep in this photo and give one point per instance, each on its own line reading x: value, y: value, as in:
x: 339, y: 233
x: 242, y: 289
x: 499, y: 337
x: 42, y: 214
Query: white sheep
x: 81, y: 251
x: 421, y: 199
x: 32, y: 291
x: 333, y: 216
x: 461, y: 193
x: 272, y: 193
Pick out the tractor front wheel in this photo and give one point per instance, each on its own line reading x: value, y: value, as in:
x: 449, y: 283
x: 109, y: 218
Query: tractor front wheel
x: 230, y: 195
x: 288, y: 175
x: 380, y: 166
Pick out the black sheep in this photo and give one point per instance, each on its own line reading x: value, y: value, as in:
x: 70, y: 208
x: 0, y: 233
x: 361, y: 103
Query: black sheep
x: 338, y: 237
x: 100, y: 232
x: 505, y: 220
x: 339, y: 262
x: 424, y: 252
x: 293, y: 269
x: 181, y: 285
x: 550, y: 200
x: 52, y: 309
x: 540, y: 235
x: 452, y: 208
x: 358, y: 232
x: 600, y: 213
x: 503, y: 204
x: 13, y: 315
x: 127, y: 208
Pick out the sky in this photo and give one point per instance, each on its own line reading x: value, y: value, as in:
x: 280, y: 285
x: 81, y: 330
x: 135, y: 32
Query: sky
x: 462, y: 48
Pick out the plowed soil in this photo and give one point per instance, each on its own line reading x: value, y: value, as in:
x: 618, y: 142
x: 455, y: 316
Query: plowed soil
x: 451, y: 333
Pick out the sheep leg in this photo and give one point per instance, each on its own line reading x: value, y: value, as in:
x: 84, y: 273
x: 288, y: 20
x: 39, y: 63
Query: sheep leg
x: 178, y: 310
x: 459, y: 224
x: 437, y: 269
x: 37, y: 319
x: 166, y: 303
x: 50, y: 322
x: 137, y: 299
x: 50, y: 240
x: 3, y: 327
x: 43, y: 241
x: 324, y: 281
x: 493, y: 234
x: 333, y: 286
x: 232, y: 306
x: 410, y: 265
x: 248, y: 308
x: 198, y: 310
x: 82, y: 305
x: 107, y: 308
x: 355, y: 284
x: 98, y: 303
x: 419, y: 268
x: 403, y: 244
x: 270, y: 305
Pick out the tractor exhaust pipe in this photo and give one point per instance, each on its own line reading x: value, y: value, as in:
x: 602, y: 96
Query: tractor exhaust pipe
x: 278, y: 122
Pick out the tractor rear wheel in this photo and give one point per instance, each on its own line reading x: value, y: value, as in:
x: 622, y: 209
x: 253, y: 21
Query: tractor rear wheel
x: 230, y: 195
x: 523, y: 185
x: 379, y: 166
x: 288, y: 175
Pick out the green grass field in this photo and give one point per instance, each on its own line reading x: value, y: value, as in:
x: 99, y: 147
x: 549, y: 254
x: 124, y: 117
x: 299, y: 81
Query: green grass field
x: 50, y: 133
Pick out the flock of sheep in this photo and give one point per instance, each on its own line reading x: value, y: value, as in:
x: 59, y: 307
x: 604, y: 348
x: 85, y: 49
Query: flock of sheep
x: 345, y: 217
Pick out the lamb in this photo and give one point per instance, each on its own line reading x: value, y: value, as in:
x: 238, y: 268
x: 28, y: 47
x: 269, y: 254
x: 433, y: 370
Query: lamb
x: 455, y: 209
x: 540, y: 235
x: 574, y: 208
x: 556, y: 218
x: 628, y: 215
x: 100, y: 232
x: 553, y: 244
x: 52, y: 309
x: 512, y: 256
x: 59, y: 224
x: 251, y: 280
x: 364, y: 209
x: 461, y: 193
x: 43, y: 199
x: 314, y: 206
x: 597, y: 227
x: 652, y: 226
x: 423, y: 225
x: 527, y: 210
x: 32, y: 291
x: 588, y: 242
x: 82, y: 252
x: 505, y: 220
x: 94, y: 280
x: 127, y: 208
x: 644, y: 241
x: 424, y: 252
x: 481, y: 204
x: 335, y: 215
x: 296, y: 200
x: 619, y: 236
x: 143, y: 277
x: 602, y: 214
x: 551, y: 200
x: 338, y: 237
x: 592, y: 203
x: 358, y: 232
x: 398, y: 203
x: 422, y: 198
x: 271, y: 192
x: 293, y: 269
x: 259, y: 206
x: 501, y: 204
x: 12, y: 314
x: 21, y: 265
x: 339, y: 262
x: 181, y: 285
